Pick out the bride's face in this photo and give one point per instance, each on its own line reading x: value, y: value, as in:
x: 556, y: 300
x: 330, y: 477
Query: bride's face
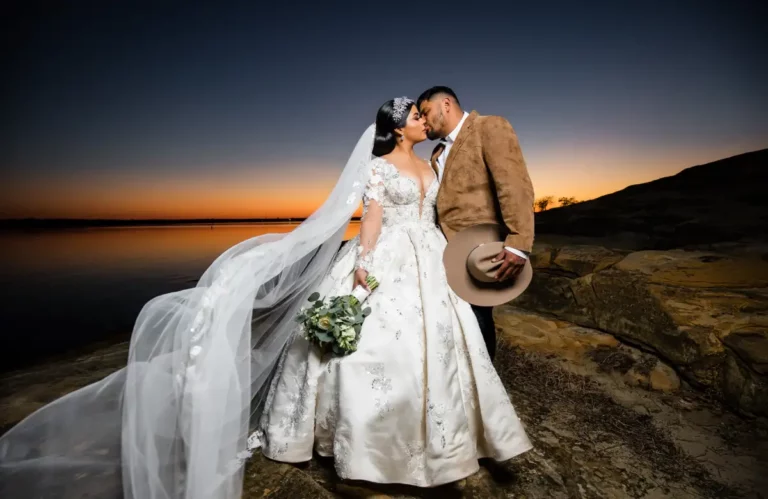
x: 415, y: 129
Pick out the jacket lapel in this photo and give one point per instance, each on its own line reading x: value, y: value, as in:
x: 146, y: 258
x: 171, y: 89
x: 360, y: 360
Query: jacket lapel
x: 463, y: 134
x: 466, y: 129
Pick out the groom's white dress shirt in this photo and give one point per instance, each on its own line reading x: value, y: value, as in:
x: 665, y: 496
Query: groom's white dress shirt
x: 448, y: 141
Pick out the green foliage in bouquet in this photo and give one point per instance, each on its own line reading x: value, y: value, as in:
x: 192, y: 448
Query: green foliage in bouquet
x: 334, y: 324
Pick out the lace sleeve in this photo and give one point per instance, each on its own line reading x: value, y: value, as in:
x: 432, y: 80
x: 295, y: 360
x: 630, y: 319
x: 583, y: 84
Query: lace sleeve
x: 370, y: 226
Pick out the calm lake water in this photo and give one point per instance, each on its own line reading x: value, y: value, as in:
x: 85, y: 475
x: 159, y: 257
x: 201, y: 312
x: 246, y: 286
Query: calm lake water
x: 63, y: 289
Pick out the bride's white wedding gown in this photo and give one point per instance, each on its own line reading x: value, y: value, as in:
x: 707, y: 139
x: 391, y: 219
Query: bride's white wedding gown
x: 419, y: 401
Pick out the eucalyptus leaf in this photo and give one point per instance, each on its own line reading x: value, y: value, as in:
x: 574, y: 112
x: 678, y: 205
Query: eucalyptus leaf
x: 324, y: 337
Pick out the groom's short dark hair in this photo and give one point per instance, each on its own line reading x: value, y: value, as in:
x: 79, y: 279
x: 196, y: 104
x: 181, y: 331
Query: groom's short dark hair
x: 431, y: 92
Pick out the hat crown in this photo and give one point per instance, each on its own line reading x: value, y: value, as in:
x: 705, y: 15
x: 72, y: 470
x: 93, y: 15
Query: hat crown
x: 480, y: 264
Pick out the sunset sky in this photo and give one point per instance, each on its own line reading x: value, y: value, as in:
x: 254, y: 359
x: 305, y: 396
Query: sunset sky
x: 186, y: 111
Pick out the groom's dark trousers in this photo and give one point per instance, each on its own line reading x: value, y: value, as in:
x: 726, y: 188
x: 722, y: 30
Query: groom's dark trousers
x: 487, y: 327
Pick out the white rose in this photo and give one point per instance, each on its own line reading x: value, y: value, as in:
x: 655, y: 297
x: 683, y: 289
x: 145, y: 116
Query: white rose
x: 348, y: 333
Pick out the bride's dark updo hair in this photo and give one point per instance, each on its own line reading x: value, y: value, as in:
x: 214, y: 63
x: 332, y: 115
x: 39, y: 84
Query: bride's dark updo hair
x: 391, y: 115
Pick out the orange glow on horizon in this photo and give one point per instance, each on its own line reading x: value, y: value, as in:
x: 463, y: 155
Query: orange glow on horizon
x: 581, y: 172
x: 164, y: 198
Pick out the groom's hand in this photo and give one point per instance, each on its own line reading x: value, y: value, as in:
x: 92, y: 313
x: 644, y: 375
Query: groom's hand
x: 511, y: 265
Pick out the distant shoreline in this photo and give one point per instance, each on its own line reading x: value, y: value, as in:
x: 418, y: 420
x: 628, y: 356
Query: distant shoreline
x: 71, y: 223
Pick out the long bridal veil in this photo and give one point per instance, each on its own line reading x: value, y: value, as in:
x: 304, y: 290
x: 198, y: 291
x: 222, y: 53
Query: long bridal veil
x: 174, y: 422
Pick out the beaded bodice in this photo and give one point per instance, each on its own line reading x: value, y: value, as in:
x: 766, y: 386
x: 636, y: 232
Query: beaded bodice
x: 399, y: 196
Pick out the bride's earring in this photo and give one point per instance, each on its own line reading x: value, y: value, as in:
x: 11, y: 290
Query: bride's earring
x: 402, y: 138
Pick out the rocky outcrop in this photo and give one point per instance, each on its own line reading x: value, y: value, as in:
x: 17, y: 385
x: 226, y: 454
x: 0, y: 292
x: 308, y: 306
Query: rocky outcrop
x: 625, y: 422
x: 703, y: 312
x: 677, y: 267
x: 584, y: 351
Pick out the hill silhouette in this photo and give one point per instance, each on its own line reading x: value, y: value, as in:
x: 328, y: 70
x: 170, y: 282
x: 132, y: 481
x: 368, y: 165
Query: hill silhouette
x: 715, y: 202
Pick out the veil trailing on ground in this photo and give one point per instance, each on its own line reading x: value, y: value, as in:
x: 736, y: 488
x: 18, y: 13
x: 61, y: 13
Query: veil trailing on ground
x: 174, y: 422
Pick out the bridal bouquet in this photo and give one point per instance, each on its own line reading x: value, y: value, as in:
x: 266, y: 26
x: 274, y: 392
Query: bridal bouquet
x: 334, y: 324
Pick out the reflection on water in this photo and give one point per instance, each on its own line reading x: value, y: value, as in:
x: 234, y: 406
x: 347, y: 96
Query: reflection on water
x: 61, y: 289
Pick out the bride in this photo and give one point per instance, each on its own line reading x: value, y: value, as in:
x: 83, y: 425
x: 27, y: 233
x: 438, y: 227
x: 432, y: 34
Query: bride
x: 418, y: 403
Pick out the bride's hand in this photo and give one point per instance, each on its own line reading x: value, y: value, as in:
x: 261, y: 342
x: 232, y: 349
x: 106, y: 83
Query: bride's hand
x: 360, y: 276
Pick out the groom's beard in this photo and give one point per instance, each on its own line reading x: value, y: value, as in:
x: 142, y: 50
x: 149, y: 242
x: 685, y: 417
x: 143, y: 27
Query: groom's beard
x: 432, y: 132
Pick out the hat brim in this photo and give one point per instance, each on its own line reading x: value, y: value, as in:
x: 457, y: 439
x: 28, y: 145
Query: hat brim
x: 464, y: 285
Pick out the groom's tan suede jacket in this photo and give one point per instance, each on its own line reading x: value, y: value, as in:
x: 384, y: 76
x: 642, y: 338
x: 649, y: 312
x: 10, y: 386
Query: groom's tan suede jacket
x: 485, y: 180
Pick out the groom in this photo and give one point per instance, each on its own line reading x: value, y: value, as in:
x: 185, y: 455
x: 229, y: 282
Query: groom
x: 483, y: 178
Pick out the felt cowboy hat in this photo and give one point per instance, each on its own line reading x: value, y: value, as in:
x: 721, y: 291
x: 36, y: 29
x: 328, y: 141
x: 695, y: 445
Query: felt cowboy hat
x: 471, y: 272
